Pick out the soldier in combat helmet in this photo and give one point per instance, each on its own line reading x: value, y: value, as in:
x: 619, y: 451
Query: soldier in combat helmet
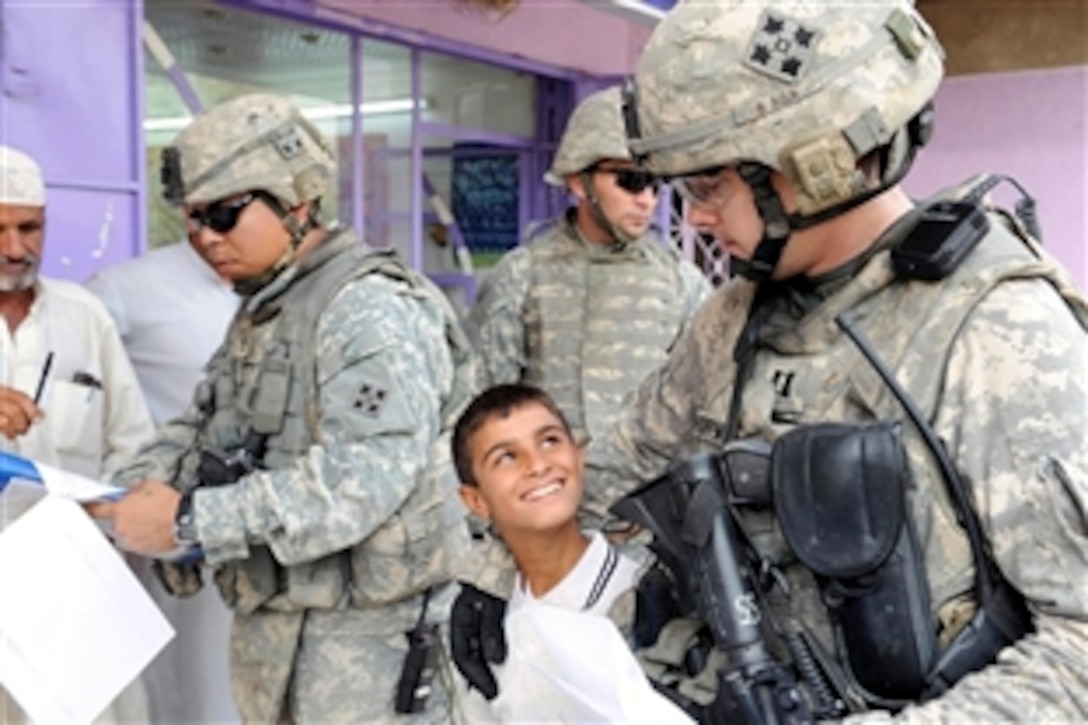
x: 312, y: 468
x: 592, y: 303
x: 789, y: 127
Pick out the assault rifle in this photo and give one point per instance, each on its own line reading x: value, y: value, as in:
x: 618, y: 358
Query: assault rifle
x: 696, y: 538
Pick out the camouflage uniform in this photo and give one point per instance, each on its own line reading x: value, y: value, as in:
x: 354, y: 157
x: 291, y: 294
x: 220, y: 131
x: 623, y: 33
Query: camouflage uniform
x: 995, y: 354
x: 353, y: 368
x: 1008, y: 395
x: 584, y: 321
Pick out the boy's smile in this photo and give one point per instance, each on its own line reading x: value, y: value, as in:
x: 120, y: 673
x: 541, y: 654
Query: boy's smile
x: 546, y: 490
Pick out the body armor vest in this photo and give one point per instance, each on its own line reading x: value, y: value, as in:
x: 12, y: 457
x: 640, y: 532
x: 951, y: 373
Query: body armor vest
x: 597, y: 321
x: 263, y: 381
x: 807, y: 371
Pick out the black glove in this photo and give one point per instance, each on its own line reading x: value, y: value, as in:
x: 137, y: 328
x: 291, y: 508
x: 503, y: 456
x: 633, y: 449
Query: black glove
x: 477, y: 637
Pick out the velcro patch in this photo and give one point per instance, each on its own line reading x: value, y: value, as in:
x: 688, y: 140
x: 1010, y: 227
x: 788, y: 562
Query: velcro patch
x: 781, y: 47
x: 288, y: 142
x: 369, y: 400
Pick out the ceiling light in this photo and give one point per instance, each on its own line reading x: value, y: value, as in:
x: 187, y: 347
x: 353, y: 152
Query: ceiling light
x: 314, y: 113
x: 367, y: 108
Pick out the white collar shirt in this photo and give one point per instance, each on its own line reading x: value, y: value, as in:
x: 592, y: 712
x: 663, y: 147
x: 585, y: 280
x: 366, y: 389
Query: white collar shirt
x: 95, y: 415
x: 599, y: 577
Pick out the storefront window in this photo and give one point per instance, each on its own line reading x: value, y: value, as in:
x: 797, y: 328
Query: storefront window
x: 224, y: 53
x: 387, y: 143
x: 437, y: 133
x: 472, y: 95
x: 478, y: 140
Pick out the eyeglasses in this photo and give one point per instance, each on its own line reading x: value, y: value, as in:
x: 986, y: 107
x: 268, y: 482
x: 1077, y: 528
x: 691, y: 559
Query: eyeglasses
x: 711, y: 187
x: 220, y: 217
x: 634, y: 181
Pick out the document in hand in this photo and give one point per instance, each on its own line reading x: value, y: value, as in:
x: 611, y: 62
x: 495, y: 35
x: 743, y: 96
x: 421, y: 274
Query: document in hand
x: 76, y: 626
x: 24, y: 482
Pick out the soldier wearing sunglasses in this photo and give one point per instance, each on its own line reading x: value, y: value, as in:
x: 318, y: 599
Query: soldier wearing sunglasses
x: 311, y: 472
x: 589, y: 306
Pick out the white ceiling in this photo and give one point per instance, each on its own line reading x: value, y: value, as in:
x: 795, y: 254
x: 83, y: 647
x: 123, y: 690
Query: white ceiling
x: 225, y: 51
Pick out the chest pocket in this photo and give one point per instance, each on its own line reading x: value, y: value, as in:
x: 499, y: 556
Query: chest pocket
x: 76, y: 419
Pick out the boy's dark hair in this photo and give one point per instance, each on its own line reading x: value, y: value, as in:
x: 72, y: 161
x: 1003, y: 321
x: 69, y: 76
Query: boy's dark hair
x: 496, y: 401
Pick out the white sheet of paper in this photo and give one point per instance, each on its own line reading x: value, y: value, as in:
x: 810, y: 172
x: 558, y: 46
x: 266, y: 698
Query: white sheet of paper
x: 76, y: 487
x: 76, y: 626
x: 17, y: 495
x: 566, y: 666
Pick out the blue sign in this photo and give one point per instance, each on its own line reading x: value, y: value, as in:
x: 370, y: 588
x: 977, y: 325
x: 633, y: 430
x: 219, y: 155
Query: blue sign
x: 484, y: 199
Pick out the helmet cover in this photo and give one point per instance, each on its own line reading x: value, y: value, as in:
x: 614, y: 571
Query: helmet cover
x: 594, y: 133
x: 805, y: 87
x: 253, y: 142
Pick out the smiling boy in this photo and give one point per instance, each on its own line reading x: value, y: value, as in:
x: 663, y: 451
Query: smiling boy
x: 521, y: 470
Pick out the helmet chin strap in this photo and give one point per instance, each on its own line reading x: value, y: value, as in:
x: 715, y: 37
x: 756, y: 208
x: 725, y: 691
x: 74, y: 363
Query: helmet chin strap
x: 776, y: 224
x: 619, y: 239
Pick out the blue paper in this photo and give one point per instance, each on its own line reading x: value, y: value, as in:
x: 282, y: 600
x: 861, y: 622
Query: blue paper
x: 13, y: 466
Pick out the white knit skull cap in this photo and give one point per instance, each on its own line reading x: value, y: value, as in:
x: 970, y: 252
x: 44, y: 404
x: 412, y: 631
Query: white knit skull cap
x: 20, y: 179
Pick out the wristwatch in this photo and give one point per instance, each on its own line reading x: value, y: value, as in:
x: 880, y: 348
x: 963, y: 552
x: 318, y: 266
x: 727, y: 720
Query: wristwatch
x: 184, y: 522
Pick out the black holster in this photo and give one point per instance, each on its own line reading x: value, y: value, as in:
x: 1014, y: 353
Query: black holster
x: 840, y: 497
x: 220, y: 468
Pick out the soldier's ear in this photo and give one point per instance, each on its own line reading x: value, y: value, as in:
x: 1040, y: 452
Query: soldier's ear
x: 474, y: 501
x: 576, y: 186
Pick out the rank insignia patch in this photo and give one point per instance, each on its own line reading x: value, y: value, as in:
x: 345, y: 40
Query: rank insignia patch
x: 781, y: 47
x: 288, y: 142
x: 369, y: 400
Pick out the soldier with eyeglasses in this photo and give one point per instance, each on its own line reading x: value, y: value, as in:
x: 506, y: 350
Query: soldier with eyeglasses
x: 887, y: 523
x: 592, y: 303
x: 311, y: 473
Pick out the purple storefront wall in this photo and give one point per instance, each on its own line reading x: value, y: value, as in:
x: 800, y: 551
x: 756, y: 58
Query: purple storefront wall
x: 1029, y: 125
x: 71, y: 95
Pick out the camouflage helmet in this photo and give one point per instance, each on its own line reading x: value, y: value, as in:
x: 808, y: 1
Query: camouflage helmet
x: 594, y: 133
x: 805, y: 87
x: 258, y: 141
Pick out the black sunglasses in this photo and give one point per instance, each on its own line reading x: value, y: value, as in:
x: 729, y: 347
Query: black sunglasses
x: 222, y: 216
x: 634, y: 181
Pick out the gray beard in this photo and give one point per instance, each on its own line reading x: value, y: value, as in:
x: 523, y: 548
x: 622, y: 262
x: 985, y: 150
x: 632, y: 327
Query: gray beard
x: 22, y: 281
